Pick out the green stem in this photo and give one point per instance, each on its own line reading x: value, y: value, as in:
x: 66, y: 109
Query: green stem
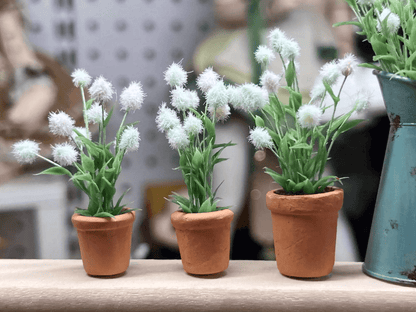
x: 49, y: 161
x: 85, y: 110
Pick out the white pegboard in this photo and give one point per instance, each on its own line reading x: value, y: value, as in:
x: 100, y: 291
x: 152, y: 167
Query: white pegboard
x: 127, y: 40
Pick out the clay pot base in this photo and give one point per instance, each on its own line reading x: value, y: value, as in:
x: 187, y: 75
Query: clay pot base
x: 208, y: 276
x: 108, y: 276
x: 312, y: 279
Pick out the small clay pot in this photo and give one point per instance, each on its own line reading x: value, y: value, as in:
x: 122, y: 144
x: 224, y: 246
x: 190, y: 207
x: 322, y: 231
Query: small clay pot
x: 204, y: 240
x: 304, y: 231
x: 105, y: 243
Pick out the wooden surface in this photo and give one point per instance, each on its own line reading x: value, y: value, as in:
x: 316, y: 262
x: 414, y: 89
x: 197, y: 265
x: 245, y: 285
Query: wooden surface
x: 162, y: 285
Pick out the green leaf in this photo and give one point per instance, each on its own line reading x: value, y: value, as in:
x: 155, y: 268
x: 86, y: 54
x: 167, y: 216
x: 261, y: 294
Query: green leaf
x: 349, y: 125
x: 259, y: 121
x: 104, y: 214
x: 301, y: 146
x: 87, y: 163
x: 89, y: 103
x: 210, y: 127
x: 206, y: 206
x: 372, y: 66
x: 83, y: 212
x: 348, y: 23
x: 290, y: 73
x: 390, y: 59
x: 56, y: 171
x: 278, y: 178
x: 107, y: 120
x: 197, y: 159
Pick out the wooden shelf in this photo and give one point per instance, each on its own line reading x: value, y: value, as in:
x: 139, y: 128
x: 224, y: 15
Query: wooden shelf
x: 162, y: 285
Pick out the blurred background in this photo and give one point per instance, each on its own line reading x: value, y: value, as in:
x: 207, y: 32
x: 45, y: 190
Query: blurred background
x: 136, y: 40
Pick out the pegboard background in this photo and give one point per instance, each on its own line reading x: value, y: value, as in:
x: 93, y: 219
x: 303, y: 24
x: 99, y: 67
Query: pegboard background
x: 126, y: 40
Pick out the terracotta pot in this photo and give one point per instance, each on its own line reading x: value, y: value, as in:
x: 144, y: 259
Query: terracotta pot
x: 204, y: 240
x: 105, y: 243
x: 304, y: 231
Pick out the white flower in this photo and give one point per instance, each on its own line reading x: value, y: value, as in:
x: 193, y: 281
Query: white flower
x: 264, y: 55
x: 348, y: 64
x: 362, y: 101
x: 217, y: 96
x: 101, y: 89
x: 260, y: 138
x: 330, y: 72
x: 130, y: 139
x: 80, y: 78
x: 76, y: 138
x: 95, y: 113
x: 166, y: 118
x: 249, y: 97
x: 64, y: 154
x: 234, y: 96
x: 290, y: 49
x: 207, y: 79
x: 175, y: 76
x: 309, y: 116
x: 60, y: 123
x: 184, y: 99
x: 393, y: 21
x: 178, y: 138
x: 277, y: 39
x: 221, y: 113
x: 25, y: 151
x: 318, y: 91
x: 132, y: 97
x: 270, y: 81
x: 192, y: 125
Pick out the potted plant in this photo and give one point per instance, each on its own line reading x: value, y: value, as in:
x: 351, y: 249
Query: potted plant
x: 104, y: 228
x: 202, y: 227
x: 305, y: 208
x: 390, y: 27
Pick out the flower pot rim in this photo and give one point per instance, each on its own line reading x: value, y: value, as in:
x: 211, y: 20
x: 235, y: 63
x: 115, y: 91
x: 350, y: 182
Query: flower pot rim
x: 202, y: 220
x: 392, y: 76
x: 86, y: 223
x: 327, y: 202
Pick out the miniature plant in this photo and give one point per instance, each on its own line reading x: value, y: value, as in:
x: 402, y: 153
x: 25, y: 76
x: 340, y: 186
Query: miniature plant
x: 390, y: 28
x: 97, y: 164
x: 192, y: 133
x: 293, y: 131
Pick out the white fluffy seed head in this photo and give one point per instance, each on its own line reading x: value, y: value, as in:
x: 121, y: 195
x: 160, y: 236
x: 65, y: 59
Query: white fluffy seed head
x: 260, y: 138
x: 362, y: 100
x: 192, y: 125
x: 264, y: 55
x: 166, y: 118
x: 348, y: 64
x: 184, y: 99
x: 64, y: 154
x: 270, y: 81
x: 217, y: 96
x: 25, y: 151
x: 132, y: 97
x: 290, y: 49
x: 175, y: 76
x: 330, y: 72
x: 177, y: 137
x: 393, y: 21
x: 318, y: 92
x: 95, y: 113
x: 220, y: 113
x: 207, y: 79
x: 60, y: 123
x: 81, y: 78
x: 249, y: 97
x: 309, y: 116
x: 277, y: 39
x: 130, y: 139
x: 101, y: 89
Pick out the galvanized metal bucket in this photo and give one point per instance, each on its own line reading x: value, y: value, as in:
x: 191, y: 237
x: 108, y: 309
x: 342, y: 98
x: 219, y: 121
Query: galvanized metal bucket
x: 391, y: 251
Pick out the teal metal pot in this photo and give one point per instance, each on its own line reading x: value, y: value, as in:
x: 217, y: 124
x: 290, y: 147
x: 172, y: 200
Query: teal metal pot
x: 391, y: 251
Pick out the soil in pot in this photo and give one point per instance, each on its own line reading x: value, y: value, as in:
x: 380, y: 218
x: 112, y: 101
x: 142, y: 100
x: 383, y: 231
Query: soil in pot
x: 304, y: 231
x: 105, y: 243
x: 204, y: 240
